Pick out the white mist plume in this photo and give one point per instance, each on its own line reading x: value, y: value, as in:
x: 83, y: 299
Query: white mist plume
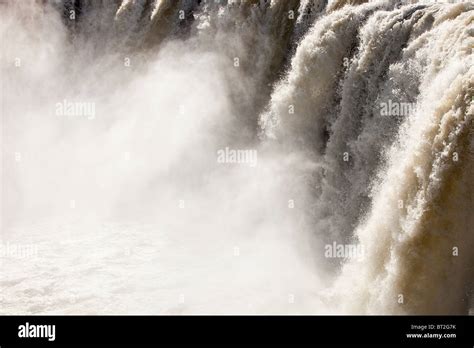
x: 140, y: 183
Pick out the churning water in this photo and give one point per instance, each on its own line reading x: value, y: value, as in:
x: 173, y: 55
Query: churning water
x: 237, y: 156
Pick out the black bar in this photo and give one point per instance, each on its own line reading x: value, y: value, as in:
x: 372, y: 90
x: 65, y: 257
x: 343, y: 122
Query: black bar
x: 225, y: 330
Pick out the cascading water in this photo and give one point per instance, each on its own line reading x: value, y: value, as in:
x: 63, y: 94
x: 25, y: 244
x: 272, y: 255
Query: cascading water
x: 193, y: 156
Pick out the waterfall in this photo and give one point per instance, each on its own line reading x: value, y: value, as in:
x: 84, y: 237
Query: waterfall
x: 230, y: 146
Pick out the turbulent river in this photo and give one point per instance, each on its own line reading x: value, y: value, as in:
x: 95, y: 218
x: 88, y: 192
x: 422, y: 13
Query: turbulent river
x: 237, y: 156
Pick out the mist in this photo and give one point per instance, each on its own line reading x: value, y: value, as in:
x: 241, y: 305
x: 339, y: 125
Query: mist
x: 112, y: 172
x: 168, y: 157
